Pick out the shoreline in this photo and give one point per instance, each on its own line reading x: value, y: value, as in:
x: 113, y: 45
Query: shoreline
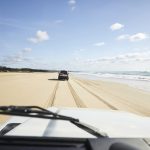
x: 135, y: 83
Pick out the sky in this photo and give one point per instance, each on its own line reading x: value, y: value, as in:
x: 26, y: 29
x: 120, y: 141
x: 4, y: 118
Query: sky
x: 83, y: 35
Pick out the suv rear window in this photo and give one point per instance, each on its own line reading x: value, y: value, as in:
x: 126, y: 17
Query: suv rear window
x: 64, y: 72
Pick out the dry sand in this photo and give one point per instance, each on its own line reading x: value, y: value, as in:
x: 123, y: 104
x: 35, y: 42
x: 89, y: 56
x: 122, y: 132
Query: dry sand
x: 43, y: 89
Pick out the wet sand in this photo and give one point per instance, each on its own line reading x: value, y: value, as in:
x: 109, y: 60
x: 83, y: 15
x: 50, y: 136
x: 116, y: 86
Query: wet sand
x: 43, y: 89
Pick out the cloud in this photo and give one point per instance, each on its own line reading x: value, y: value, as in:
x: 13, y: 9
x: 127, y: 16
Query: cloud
x: 12, y: 59
x: 99, y: 44
x: 72, y: 4
x: 138, y: 37
x: 126, y: 61
x: 134, y: 37
x: 17, y: 58
x: 128, y: 57
x: 39, y: 37
x: 27, y: 49
x: 123, y: 37
x: 116, y: 26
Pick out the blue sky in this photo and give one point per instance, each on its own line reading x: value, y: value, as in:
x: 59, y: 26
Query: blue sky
x: 92, y: 35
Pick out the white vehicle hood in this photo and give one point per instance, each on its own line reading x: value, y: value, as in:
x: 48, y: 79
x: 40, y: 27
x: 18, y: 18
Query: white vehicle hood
x: 113, y: 123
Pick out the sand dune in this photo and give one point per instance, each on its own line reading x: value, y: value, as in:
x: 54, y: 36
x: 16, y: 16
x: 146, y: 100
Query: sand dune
x: 43, y: 89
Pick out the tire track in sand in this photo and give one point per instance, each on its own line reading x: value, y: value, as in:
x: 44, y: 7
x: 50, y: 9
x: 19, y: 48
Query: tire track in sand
x: 130, y: 106
x: 98, y: 97
x: 77, y: 99
x: 51, y: 99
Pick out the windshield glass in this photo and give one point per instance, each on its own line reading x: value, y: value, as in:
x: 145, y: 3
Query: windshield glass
x: 86, y: 59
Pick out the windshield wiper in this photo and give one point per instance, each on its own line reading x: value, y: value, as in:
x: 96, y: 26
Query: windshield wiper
x: 38, y: 112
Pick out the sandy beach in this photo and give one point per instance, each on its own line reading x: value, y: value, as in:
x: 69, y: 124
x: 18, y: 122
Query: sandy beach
x: 43, y: 89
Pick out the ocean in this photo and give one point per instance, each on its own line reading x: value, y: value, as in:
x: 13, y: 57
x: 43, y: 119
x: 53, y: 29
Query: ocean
x: 137, y: 79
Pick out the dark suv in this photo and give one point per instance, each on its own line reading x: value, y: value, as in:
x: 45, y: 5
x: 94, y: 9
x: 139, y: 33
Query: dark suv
x: 63, y: 75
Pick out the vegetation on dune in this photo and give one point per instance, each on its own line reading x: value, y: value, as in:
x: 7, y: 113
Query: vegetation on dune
x: 8, y: 69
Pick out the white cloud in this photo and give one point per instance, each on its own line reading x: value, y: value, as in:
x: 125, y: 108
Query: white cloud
x: 126, y: 61
x: 99, y: 44
x: 123, y: 37
x: 138, y: 37
x: 17, y: 58
x: 128, y: 57
x: 27, y: 49
x: 134, y: 37
x: 116, y: 26
x: 12, y: 59
x: 40, y: 37
x: 72, y: 4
